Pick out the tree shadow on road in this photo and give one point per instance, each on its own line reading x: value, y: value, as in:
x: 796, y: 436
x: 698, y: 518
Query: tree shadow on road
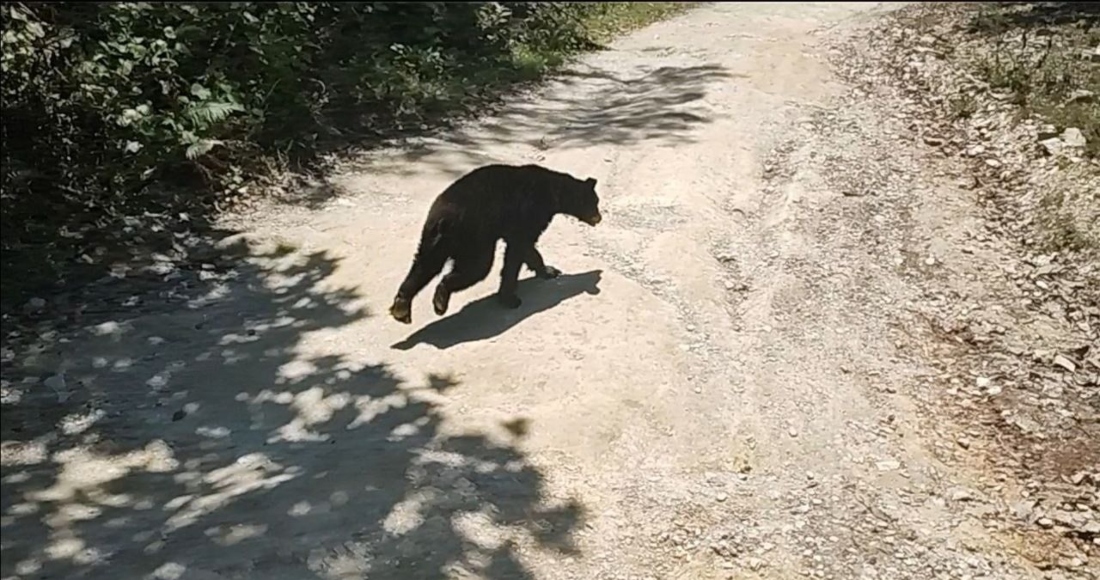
x: 484, y: 318
x: 197, y: 420
x: 584, y: 107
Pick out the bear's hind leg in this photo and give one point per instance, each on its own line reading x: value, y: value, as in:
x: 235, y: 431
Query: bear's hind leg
x: 469, y: 268
x: 425, y: 266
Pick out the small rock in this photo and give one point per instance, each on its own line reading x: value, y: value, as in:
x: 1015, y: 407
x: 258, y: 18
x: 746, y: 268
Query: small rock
x: 34, y: 305
x: 930, y: 261
x: 983, y: 382
x: 792, y: 432
x: 1081, y: 96
x: 1065, y: 363
x: 1026, y: 424
x: 1079, y: 477
x: 1067, y: 519
x: 963, y: 442
x: 57, y: 384
x: 961, y: 494
x: 888, y: 465
x: 1073, y: 137
x: 1045, y: 522
x: 993, y: 163
x: 933, y: 140
x: 1052, y: 146
x: 1024, y: 509
x: 1048, y: 132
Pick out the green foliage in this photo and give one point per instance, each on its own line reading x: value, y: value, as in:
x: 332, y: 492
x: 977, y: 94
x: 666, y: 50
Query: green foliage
x: 145, y: 87
x: 102, y: 100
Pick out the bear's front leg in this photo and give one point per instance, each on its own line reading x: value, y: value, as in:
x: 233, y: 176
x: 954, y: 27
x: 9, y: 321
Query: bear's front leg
x: 538, y: 266
x: 509, y: 276
x: 401, y: 310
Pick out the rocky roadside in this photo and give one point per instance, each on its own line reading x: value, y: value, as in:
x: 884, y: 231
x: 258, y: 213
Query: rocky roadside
x: 1015, y: 319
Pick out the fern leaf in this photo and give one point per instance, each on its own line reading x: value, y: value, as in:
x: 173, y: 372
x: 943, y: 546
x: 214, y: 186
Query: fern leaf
x: 204, y: 115
x: 201, y: 147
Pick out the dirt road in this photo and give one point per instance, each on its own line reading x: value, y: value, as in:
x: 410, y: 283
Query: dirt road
x: 716, y: 388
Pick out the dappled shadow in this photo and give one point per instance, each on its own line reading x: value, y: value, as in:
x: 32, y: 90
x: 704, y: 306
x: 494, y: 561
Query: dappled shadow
x: 1005, y: 16
x: 193, y: 417
x: 485, y: 318
x: 652, y: 106
x: 583, y: 107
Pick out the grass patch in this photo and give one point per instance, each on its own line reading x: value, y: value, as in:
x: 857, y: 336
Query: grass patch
x: 1042, y: 58
x: 1068, y: 219
x: 963, y: 106
x: 610, y: 19
x: 602, y: 22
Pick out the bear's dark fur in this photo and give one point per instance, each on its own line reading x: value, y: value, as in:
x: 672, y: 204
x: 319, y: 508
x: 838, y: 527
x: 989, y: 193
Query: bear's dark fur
x: 491, y: 203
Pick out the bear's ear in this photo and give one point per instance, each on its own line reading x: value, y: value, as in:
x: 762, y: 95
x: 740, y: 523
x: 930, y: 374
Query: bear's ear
x: 591, y: 182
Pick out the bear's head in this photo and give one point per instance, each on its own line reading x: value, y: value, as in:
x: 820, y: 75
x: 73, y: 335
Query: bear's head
x: 582, y: 202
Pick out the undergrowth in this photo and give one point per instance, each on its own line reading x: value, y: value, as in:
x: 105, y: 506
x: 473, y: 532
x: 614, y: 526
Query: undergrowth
x: 1046, y: 56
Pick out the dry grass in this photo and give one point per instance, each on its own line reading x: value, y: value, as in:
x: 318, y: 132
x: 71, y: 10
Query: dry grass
x: 1044, y: 56
x: 1040, y: 53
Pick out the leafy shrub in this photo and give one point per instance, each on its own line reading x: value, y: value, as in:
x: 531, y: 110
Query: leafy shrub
x: 143, y: 87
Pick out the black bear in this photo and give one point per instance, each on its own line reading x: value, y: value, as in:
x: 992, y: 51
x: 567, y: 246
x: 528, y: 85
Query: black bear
x: 490, y: 203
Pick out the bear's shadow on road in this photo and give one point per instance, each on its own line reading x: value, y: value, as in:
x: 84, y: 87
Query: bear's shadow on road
x: 484, y: 318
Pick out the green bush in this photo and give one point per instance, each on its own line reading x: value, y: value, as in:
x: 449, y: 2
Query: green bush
x: 141, y: 88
